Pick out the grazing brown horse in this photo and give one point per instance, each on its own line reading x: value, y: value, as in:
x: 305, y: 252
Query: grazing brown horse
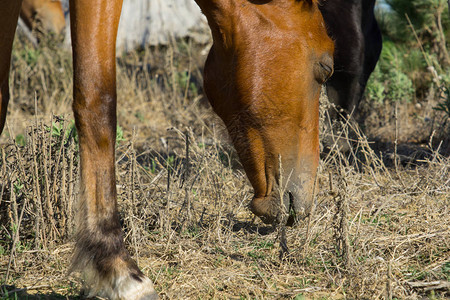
x: 263, y: 78
x: 43, y: 15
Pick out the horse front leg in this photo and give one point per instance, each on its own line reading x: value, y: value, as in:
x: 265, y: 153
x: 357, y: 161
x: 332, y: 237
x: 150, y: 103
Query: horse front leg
x: 9, y: 13
x: 99, y: 251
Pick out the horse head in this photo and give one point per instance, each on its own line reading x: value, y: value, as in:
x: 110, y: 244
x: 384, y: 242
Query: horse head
x: 263, y: 77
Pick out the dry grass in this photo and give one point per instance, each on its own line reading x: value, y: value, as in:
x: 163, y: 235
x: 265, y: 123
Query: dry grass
x: 381, y: 226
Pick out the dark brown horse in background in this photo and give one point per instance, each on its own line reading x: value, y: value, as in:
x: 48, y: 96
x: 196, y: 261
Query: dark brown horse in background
x: 352, y: 26
x: 263, y: 78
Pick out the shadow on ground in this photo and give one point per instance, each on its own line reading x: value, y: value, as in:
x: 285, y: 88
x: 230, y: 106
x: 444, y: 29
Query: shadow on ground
x: 11, y: 292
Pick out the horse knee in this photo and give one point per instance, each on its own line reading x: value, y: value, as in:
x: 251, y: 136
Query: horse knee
x: 95, y: 117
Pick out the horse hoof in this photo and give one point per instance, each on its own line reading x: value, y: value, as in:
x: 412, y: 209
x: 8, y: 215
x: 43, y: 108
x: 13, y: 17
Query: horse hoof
x: 140, y: 289
x: 122, y: 288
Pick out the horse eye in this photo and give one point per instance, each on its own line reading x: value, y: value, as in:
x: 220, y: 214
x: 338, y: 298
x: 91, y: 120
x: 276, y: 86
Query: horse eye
x: 323, y: 71
x: 327, y: 68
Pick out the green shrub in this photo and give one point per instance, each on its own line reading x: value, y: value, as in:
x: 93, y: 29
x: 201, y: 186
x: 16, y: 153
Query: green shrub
x: 389, y: 81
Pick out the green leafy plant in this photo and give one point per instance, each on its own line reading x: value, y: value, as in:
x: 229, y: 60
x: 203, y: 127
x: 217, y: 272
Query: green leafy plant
x: 20, y: 140
x: 389, y: 82
x: 119, y: 135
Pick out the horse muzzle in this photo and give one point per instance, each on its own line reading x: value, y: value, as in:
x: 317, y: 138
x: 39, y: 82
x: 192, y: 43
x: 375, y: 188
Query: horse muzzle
x: 288, y: 202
